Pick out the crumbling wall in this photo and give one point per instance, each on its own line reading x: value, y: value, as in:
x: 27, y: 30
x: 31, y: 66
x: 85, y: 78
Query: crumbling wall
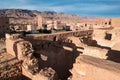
x: 50, y: 53
x: 50, y: 57
x: 31, y: 65
x: 23, y: 50
x: 99, y: 36
x: 60, y: 55
x: 60, y: 35
x: 90, y: 68
x: 111, y: 44
x: 95, y: 52
x: 89, y: 48
x: 10, y: 67
x: 107, y: 38
x: 11, y: 43
x: 25, y: 53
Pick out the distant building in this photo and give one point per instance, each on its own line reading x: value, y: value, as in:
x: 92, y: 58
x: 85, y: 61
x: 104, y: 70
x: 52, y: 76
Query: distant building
x: 23, y: 27
x: 71, y: 26
x: 54, y: 24
x: 81, y: 25
x: 40, y: 22
x: 50, y: 24
x: 19, y: 24
x: 4, y: 26
x: 58, y: 25
x: 29, y: 28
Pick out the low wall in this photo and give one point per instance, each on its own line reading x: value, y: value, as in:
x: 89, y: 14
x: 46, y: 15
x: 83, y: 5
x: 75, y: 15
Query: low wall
x: 95, y: 52
x: 44, y: 40
x: 90, y: 68
x: 60, y: 35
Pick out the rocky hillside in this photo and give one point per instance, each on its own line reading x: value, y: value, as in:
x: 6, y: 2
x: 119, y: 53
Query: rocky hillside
x: 17, y: 13
x: 28, y: 14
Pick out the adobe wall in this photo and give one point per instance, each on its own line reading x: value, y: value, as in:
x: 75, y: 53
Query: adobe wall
x: 10, y: 67
x: 61, y: 54
x: 23, y: 51
x: 58, y: 55
x: 101, y: 36
x: 11, y: 43
x: 60, y: 35
x: 50, y: 57
x: 90, y: 68
x: 95, y: 52
x: 108, y: 38
x: 51, y: 49
x: 40, y: 40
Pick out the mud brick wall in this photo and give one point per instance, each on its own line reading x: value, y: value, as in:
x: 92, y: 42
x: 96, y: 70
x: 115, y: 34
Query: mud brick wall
x: 91, y: 68
x: 10, y: 67
x: 57, y: 36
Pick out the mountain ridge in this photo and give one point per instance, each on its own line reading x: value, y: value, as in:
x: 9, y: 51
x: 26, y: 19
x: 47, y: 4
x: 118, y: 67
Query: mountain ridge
x: 48, y: 15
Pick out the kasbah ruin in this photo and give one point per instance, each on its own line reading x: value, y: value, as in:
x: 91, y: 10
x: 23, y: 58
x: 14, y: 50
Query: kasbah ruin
x: 51, y: 49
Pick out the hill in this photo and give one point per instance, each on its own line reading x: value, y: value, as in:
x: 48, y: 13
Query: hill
x: 21, y: 15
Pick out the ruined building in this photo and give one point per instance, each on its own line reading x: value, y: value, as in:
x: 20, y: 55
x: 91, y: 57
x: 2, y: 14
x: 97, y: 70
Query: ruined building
x: 73, y: 55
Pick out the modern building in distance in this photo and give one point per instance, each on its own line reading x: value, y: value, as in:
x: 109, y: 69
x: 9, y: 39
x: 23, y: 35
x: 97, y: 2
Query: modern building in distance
x: 58, y: 25
x: 100, y: 23
x: 4, y: 26
x: 50, y: 24
x: 23, y: 24
x: 55, y: 24
x: 23, y: 27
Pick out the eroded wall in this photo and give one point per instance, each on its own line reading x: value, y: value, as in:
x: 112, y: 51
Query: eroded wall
x: 51, y: 57
x: 10, y: 67
x: 91, y: 68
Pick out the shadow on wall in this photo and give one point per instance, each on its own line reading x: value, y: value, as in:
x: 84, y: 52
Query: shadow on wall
x: 113, y: 55
x: 15, y: 47
x: 58, y: 54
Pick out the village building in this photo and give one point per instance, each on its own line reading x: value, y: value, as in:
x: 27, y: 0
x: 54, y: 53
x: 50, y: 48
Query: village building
x: 39, y: 22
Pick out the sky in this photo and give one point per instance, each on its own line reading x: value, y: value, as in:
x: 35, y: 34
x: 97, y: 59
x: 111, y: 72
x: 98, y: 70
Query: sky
x: 93, y: 8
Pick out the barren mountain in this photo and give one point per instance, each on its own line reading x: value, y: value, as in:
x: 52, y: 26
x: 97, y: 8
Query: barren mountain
x: 21, y: 15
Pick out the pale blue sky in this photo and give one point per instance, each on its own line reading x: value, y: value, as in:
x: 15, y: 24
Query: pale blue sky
x: 104, y: 8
